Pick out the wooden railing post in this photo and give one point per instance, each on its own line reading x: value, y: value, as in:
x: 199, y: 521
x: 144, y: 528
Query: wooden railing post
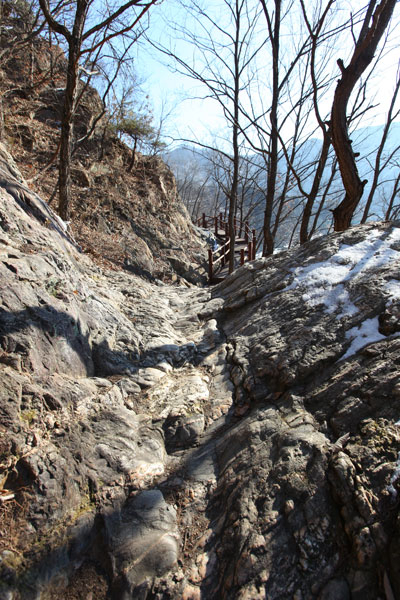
x: 210, y: 265
x: 231, y: 248
x: 220, y: 258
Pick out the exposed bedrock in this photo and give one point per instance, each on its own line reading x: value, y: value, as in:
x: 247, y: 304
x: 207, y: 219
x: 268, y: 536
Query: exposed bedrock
x: 174, y: 442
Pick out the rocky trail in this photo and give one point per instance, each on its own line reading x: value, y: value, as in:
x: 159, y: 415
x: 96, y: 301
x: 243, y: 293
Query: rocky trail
x: 177, y: 442
x: 127, y: 423
x: 165, y: 452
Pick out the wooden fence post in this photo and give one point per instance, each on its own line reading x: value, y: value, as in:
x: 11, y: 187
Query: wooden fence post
x: 241, y: 257
x: 246, y: 232
x: 204, y: 220
x: 254, y: 244
x: 231, y: 248
x: 210, y: 265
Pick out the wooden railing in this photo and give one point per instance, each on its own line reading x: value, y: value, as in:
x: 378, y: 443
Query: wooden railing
x: 218, y: 224
x: 220, y: 255
x: 218, y: 258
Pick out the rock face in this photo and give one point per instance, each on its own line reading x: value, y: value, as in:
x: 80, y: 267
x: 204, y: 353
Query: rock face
x: 313, y: 512
x: 187, y: 443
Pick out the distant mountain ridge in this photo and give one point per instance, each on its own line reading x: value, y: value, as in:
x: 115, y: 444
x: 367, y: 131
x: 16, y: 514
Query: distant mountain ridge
x: 366, y: 142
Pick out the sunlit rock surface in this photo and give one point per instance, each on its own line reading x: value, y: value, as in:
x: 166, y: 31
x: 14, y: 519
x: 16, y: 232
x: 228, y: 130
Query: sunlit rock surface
x: 169, y: 442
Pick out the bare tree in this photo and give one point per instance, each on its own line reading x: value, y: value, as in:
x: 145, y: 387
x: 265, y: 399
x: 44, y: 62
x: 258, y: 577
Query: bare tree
x: 82, y: 41
x: 380, y: 164
x: 224, y: 50
x: 289, y: 77
x: 315, y: 32
x: 277, y: 111
x: 274, y: 24
x: 376, y: 21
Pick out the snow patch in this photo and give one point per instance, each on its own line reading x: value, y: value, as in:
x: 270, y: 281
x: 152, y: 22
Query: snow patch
x: 323, y: 282
x: 392, y: 287
x: 365, y: 334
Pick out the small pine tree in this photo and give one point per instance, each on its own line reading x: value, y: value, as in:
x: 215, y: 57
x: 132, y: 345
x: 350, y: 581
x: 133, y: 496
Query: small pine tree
x: 137, y: 128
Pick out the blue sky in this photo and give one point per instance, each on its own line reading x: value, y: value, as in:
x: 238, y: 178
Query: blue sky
x: 172, y: 91
x: 189, y: 118
x: 201, y: 119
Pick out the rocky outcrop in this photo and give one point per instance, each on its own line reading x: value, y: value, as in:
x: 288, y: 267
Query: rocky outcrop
x: 313, y: 512
x: 174, y: 442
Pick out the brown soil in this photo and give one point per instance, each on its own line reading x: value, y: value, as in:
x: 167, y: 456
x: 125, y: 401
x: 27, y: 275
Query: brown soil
x: 89, y: 583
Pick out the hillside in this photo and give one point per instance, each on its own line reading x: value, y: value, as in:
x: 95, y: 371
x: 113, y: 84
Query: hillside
x: 132, y: 221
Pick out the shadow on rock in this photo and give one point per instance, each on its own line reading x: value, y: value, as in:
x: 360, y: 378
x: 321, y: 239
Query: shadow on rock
x: 132, y: 539
x: 46, y: 339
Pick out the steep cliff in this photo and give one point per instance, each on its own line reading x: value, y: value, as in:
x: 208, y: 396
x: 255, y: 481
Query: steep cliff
x: 160, y: 441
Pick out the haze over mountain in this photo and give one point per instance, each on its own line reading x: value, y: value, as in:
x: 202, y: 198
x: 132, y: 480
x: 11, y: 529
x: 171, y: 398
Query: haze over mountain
x: 185, y: 159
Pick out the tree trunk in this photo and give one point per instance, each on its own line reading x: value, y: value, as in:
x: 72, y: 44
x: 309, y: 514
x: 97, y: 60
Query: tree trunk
x: 70, y: 100
x: 31, y: 65
x: 64, y: 200
x: 232, y: 199
x: 133, y: 156
x: 268, y: 246
x: 377, y: 170
x: 235, y: 145
x: 304, y: 235
x: 352, y: 183
x: 363, y: 54
x: 321, y: 204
